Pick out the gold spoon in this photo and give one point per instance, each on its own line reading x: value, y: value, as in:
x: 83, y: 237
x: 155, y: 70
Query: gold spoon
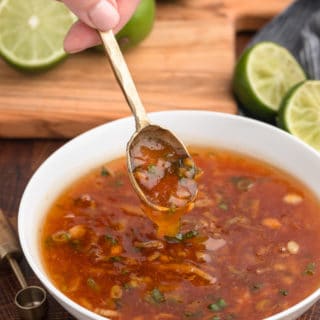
x: 145, y: 131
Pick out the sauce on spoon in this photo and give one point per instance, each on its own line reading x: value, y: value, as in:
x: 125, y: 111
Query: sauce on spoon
x: 160, y: 168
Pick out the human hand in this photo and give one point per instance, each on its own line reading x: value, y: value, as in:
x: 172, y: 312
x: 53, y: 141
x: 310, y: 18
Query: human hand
x: 96, y: 14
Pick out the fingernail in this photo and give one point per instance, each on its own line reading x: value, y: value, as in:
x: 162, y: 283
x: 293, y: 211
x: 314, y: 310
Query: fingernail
x: 104, y: 16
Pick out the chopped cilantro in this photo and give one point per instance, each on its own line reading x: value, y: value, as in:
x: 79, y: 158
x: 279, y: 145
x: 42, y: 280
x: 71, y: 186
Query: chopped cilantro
x: 179, y: 237
x: 310, y: 269
x: 115, y: 259
x: 218, y: 305
x: 283, y: 292
x: 175, y: 239
x: 127, y: 286
x: 104, y: 172
x: 111, y: 239
x: 157, y: 295
x: 190, y: 234
x: 75, y: 244
x: 151, y: 169
x: 92, y: 284
x: 195, y: 315
x: 256, y: 286
x: 125, y: 271
x: 223, y: 206
x: 214, y: 307
x: 49, y: 242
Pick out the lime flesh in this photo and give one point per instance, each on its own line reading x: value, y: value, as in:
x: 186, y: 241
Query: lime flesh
x: 32, y: 32
x: 263, y: 75
x: 300, y: 113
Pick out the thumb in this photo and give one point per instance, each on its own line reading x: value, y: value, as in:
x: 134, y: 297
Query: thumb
x: 98, y: 14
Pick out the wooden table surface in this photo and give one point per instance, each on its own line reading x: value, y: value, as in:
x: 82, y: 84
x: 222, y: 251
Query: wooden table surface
x: 18, y: 161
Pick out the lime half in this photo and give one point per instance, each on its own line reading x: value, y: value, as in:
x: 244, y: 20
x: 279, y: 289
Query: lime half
x: 263, y: 75
x: 299, y: 113
x: 32, y: 32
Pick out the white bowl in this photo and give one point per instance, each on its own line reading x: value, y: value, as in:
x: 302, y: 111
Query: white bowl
x: 108, y: 141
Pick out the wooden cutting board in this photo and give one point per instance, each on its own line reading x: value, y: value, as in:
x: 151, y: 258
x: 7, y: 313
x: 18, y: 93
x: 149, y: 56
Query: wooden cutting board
x: 185, y: 63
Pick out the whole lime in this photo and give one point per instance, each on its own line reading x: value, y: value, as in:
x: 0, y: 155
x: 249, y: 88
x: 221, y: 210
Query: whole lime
x: 139, y: 25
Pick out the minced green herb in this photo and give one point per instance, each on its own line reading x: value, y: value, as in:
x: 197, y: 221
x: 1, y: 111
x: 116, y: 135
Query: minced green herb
x: 179, y: 237
x: 223, y: 206
x: 194, y: 315
x: 310, y: 269
x: 111, y: 239
x: 218, y: 305
x: 157, y: 295
x: 283, y: 292
x: 151, y: 168
x: 256, y: 286
x: 104, y: 172
x: 92, y: 284
x: 115, y: 259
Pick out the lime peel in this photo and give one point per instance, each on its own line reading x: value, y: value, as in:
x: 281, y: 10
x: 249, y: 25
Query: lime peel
x: 139, y: 26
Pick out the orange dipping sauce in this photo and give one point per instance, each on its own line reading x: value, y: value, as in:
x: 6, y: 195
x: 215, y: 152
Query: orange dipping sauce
x: 248, y: 249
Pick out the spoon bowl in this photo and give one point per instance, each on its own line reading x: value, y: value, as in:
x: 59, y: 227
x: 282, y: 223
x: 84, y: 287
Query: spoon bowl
x: 145, y: 174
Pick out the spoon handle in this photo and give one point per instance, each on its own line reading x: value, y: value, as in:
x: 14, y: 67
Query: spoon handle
x: 9, y: 248
x: 17, y: 271
x: 9, y: 244
x: 124, y: 78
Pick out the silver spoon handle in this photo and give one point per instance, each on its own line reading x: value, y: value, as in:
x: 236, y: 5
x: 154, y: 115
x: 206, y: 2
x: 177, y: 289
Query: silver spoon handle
x: 17, y: 271
x: 124, y: 78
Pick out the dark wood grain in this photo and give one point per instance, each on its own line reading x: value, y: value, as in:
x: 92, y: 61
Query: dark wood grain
x: 18, y: 161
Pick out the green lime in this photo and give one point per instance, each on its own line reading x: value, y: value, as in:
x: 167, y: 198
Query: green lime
x: 299, y: 113
x: 139, y: 25
x: 263, y: 75
x: 32, y: 32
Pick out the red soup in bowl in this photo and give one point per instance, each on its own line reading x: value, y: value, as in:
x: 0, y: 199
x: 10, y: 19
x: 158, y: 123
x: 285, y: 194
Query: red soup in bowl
x: 249, y: 248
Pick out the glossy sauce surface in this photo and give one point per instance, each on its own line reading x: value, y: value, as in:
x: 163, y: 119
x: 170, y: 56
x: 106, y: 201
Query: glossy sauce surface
x: 166, y: 177
x: 248, y: 249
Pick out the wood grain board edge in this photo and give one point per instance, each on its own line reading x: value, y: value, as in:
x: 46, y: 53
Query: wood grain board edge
x: 174, y: 68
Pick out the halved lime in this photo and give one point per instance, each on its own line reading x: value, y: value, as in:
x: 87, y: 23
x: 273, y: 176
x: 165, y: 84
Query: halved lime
x: 299, y: 113
x: 263, y: 75
x: 32, y: 32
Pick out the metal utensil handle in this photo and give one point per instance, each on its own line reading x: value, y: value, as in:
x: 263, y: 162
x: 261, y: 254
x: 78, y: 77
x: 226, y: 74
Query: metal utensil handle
x: 124, y: 78
x: 17, y: 271
x: 8, y: 240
